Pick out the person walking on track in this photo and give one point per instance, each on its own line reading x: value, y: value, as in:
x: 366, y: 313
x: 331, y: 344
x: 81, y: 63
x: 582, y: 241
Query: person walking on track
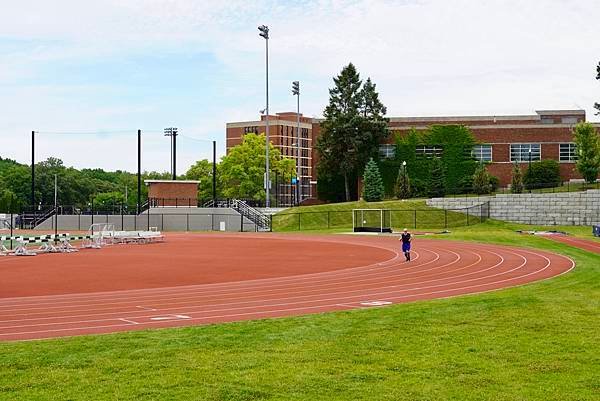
x: 406, y: 238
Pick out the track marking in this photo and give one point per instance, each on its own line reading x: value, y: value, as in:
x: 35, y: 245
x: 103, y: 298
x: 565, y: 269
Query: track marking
x: 316, y: 292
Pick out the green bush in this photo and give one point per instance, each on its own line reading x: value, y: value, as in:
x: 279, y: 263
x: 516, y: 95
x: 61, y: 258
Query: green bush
x: 542, y: 174
x: 516, y: 185
x: 481, y: 180
x: 494, y: 183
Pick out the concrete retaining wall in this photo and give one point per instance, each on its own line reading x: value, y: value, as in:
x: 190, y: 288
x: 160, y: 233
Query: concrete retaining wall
x: 568, y: 208
x: 163, y: 219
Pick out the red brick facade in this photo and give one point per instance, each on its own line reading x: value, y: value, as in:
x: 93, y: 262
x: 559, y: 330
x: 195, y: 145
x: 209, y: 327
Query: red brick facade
x: 172, y: 193
x: 548, y: 128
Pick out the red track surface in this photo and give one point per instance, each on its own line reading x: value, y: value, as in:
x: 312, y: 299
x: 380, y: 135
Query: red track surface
x: 206, y: 278
x: 586, y: 244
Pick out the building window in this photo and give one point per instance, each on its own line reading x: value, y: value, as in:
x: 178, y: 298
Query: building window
x: 520, y: 152
x: 483, y: 153
x: 569, y: 120
x: 567, y: 152
x: 428, y: 151
x: 547, y: 120
x: 387, y: 151
x: 250, y: 130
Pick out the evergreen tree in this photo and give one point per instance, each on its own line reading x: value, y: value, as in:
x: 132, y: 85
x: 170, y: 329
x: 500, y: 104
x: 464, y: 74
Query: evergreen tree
x: 373, y: 190
x: 353, y: 128
x: 481, y: 180
x: 588, y: 149
x: 516, y: 185
x: 437, y: 179
x: 402, y: 189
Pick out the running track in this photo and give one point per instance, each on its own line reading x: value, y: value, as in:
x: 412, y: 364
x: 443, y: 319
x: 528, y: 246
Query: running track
x: 255, y: 277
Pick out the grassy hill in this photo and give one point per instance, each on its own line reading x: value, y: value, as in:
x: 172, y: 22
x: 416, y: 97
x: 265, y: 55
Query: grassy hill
x: 414, y: 214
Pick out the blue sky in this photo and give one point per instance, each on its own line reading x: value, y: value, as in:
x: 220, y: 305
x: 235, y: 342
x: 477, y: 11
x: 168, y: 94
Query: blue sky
x: 120, y: 65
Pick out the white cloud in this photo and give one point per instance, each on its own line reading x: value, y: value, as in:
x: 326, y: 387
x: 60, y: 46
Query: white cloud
x: 427, y: 57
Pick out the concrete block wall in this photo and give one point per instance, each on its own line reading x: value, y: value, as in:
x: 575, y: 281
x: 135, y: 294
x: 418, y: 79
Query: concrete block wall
x: 568, y: 208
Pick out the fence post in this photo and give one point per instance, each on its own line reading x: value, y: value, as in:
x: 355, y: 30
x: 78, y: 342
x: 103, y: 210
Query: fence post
x: 212, y: 222
x: 241, y: 223
x: 187, y: 222
x: 148, y: 211
x: 92, y: 211
x: 467, y: 216
x: 11, y: 225
x: 445, y: 218
x: 162, y: 222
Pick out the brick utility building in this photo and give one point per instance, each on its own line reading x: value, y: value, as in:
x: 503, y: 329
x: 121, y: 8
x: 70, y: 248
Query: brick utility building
x: 172, y: 193
x: 547, y: 134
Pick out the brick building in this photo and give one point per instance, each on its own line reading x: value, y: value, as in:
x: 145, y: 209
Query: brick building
x: 283, y: 128
x: 547, y: 134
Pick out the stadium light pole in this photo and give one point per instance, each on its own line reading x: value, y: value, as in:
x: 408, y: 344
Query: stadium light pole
x: 139, y: 172
x: 296, y: 92
x: 32, y: 170
x: 172, y: 132
x: 264, y: 33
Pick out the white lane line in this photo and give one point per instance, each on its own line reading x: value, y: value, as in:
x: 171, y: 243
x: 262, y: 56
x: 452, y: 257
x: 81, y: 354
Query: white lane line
x: 446, y: 290
x: 258, y: 293
x: 227, y: 285
x: 127, y: 321
x: 275, y: 286
x: 346, y: 299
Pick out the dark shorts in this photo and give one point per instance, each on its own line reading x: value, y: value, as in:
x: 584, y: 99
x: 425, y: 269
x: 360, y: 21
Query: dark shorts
x: 405, y: 246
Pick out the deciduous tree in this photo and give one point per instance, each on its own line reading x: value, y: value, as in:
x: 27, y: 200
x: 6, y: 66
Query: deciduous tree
x: 242, y: 169
x: 588, y: 151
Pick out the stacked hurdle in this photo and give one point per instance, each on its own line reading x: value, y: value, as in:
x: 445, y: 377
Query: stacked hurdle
x: 60, y: 243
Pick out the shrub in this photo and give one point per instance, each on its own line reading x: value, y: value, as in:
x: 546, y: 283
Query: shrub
x: 494, y: 183
x: 481, y: 180
x: 516, y: 186
x: 543, y: 174
x: 402, y: 189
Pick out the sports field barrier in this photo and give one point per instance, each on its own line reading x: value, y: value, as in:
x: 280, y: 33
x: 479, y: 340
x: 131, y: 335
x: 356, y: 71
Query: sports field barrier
x: 162, y: 221
x: 400, y: 218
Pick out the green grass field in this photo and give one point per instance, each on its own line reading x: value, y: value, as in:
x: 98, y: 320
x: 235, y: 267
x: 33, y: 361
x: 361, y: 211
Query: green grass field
x: 414, y: 214
x: 535, y: 342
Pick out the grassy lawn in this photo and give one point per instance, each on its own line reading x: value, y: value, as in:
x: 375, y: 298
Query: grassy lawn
x: 409, y: 213
x: 536, y: 342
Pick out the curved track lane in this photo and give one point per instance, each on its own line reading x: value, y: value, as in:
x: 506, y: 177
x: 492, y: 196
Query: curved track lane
x: 439, y: 269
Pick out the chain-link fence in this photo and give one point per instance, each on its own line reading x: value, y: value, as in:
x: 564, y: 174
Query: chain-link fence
x: 398, y: 218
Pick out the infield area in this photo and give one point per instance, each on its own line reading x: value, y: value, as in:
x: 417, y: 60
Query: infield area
x: 194, y: 279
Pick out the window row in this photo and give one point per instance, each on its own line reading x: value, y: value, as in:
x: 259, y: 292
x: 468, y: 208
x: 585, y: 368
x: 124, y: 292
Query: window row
x: 519, y: 152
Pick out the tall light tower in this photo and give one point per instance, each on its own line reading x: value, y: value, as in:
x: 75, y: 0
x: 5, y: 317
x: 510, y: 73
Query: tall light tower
x: 172, y: 132
x: 264, y: 32
x: 296, y: 92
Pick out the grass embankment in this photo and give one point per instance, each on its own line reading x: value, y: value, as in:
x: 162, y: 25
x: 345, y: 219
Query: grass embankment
x: 338, y: 216
x: 535, y: 342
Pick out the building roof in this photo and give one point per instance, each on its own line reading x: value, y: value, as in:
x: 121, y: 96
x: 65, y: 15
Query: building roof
x: 171, y: 182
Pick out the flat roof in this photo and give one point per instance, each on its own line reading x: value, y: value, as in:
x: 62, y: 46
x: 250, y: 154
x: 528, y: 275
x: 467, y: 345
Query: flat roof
x: 171, y: 182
